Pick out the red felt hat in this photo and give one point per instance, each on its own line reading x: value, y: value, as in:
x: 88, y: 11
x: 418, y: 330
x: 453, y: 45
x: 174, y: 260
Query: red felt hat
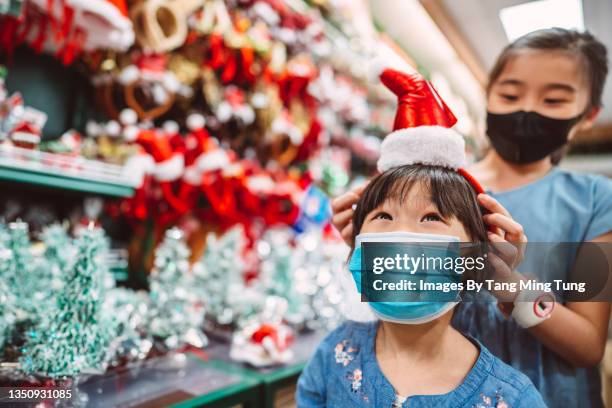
x: 422, y: 131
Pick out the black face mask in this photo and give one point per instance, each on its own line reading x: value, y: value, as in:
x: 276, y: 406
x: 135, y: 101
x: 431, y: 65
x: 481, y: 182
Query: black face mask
x: 525, y: 137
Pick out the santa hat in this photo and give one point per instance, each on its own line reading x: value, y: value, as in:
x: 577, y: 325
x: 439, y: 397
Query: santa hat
x: 169, y: 164
x: 119, y: 33
x: 422, y: 131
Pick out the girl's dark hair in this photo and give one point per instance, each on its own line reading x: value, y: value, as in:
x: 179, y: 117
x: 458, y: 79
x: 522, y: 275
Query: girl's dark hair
x: 450, y: 192
x: 591, y: 53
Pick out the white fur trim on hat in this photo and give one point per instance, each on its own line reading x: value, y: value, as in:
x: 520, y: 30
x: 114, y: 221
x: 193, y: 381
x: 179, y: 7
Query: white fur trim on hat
x: 170, y: 169
x: 212, y: 160
x: 137, y: 166
x: 434, y: 145
x: 375, y: 68
x: 193, y: 176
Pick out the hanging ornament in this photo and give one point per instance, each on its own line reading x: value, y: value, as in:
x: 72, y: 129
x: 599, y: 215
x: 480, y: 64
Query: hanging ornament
x: 161, y: 25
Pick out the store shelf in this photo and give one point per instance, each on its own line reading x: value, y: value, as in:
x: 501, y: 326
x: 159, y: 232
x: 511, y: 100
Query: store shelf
x: 177, y: 380
x: 56, y: 171
x: 277, y: 379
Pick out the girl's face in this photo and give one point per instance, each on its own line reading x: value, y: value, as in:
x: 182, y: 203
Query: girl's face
x: 417, y: 214
x: 551, y: 83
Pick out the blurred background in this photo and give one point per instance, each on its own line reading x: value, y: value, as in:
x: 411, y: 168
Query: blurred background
x: 184, y: 153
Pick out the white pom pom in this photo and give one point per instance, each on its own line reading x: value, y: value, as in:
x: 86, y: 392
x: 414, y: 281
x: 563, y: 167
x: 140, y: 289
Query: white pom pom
x: 130, y: 133
x: 259, y: 100
x: 224, y: 112
x: 171, y: 83
x: 129, y: 74
x: 433, y: 145
x: 195, y: 121
x: 112, y: 128
x: 128, y: 117
x: 170, y: 127
x: 247, y: 114
x: 92, y: 128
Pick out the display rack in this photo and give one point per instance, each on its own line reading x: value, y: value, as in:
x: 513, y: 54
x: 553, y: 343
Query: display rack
x: 19, y: 165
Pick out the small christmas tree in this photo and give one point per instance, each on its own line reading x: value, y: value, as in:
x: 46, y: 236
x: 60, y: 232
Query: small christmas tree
x: 7, y: 298
x: 74, y: 337
x: 59, y: 253
x: 221, y: 282
x: 278, y: 269
x: 176, y: 313
x: 20, y: 265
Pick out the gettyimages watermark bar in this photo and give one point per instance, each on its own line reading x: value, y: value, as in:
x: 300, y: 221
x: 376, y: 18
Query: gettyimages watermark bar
x: 452, y: 271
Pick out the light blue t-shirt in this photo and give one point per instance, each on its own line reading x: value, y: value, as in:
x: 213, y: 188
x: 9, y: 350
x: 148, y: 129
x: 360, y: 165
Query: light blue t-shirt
x: 561, y: 207
x: 344, y: 372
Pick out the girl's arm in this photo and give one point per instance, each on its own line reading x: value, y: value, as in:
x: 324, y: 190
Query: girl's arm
x: 576, y: 331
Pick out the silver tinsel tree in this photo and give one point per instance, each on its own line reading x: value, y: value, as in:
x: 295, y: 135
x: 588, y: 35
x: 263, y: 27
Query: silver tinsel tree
x: 318, y: 263
x: 176, y: 313
x: 59, y: 253
x: 7, y: 298
x: 74, y: 336
x: 18, y: 273
x: 277, y: 272
x: 220, y: 280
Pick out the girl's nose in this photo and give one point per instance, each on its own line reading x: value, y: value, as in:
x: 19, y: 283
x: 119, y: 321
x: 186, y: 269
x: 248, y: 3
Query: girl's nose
x: 530, y: 103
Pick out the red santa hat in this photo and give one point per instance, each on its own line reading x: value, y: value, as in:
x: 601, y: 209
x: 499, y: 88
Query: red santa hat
x: 422, y: 131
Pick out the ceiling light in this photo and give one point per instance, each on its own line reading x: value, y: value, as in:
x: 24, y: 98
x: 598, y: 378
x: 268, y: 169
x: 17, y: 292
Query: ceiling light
x: 536, y: 15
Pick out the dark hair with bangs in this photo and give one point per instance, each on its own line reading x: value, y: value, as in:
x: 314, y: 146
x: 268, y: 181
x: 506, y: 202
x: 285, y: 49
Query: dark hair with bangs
x: 450, y: 192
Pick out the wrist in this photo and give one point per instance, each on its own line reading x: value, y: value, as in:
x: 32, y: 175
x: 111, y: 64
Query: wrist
x: 532, y: 307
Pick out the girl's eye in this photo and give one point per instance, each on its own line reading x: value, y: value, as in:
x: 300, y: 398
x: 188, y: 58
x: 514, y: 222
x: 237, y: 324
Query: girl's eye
x: 554, y: 101
x: 510, y: 98
x: 432, y: 217
x: 383, y: 216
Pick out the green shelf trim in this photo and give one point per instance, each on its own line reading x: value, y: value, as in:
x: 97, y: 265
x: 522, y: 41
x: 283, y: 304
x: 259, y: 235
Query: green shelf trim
x: 279, y: 374
x: 246, y: 390
x: 62, y: 182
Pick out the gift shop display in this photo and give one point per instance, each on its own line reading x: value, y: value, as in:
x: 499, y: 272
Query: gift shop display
x: 180, y: 224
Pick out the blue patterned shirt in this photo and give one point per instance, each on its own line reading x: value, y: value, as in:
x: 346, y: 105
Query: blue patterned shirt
x: 344, y: 372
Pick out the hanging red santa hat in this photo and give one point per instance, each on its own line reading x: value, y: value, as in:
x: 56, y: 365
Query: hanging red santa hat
x: 422, y: 131
x: 105, y: 23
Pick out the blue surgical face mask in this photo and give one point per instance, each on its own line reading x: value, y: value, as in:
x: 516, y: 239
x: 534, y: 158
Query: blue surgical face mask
x: 414, y: 312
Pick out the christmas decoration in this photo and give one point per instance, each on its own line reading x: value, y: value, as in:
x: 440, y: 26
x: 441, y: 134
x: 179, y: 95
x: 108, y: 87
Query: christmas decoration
x: 421, y: 131
x: 221, y: 281
x: 127, y: 310
x: 264, y: 340
x: 276, y: 271
x: 59, y: 253
x: 74, y: 336
x: 8, y: 309
x: 175, y: 312
x: 319, y: 259
x: 68, y: 26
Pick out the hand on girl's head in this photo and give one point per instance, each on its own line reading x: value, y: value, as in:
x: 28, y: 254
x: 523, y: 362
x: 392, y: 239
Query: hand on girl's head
x: 342, y: 207
x: 507, y: 237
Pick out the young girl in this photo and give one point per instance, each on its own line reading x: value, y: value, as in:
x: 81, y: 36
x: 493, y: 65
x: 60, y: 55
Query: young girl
x: 413, y: 356
x: 544, y: 88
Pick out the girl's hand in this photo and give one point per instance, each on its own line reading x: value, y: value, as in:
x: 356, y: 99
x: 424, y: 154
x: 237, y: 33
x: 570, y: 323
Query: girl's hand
x: 507, y: 239
x: 342, y: 208
x: 506, y: 235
